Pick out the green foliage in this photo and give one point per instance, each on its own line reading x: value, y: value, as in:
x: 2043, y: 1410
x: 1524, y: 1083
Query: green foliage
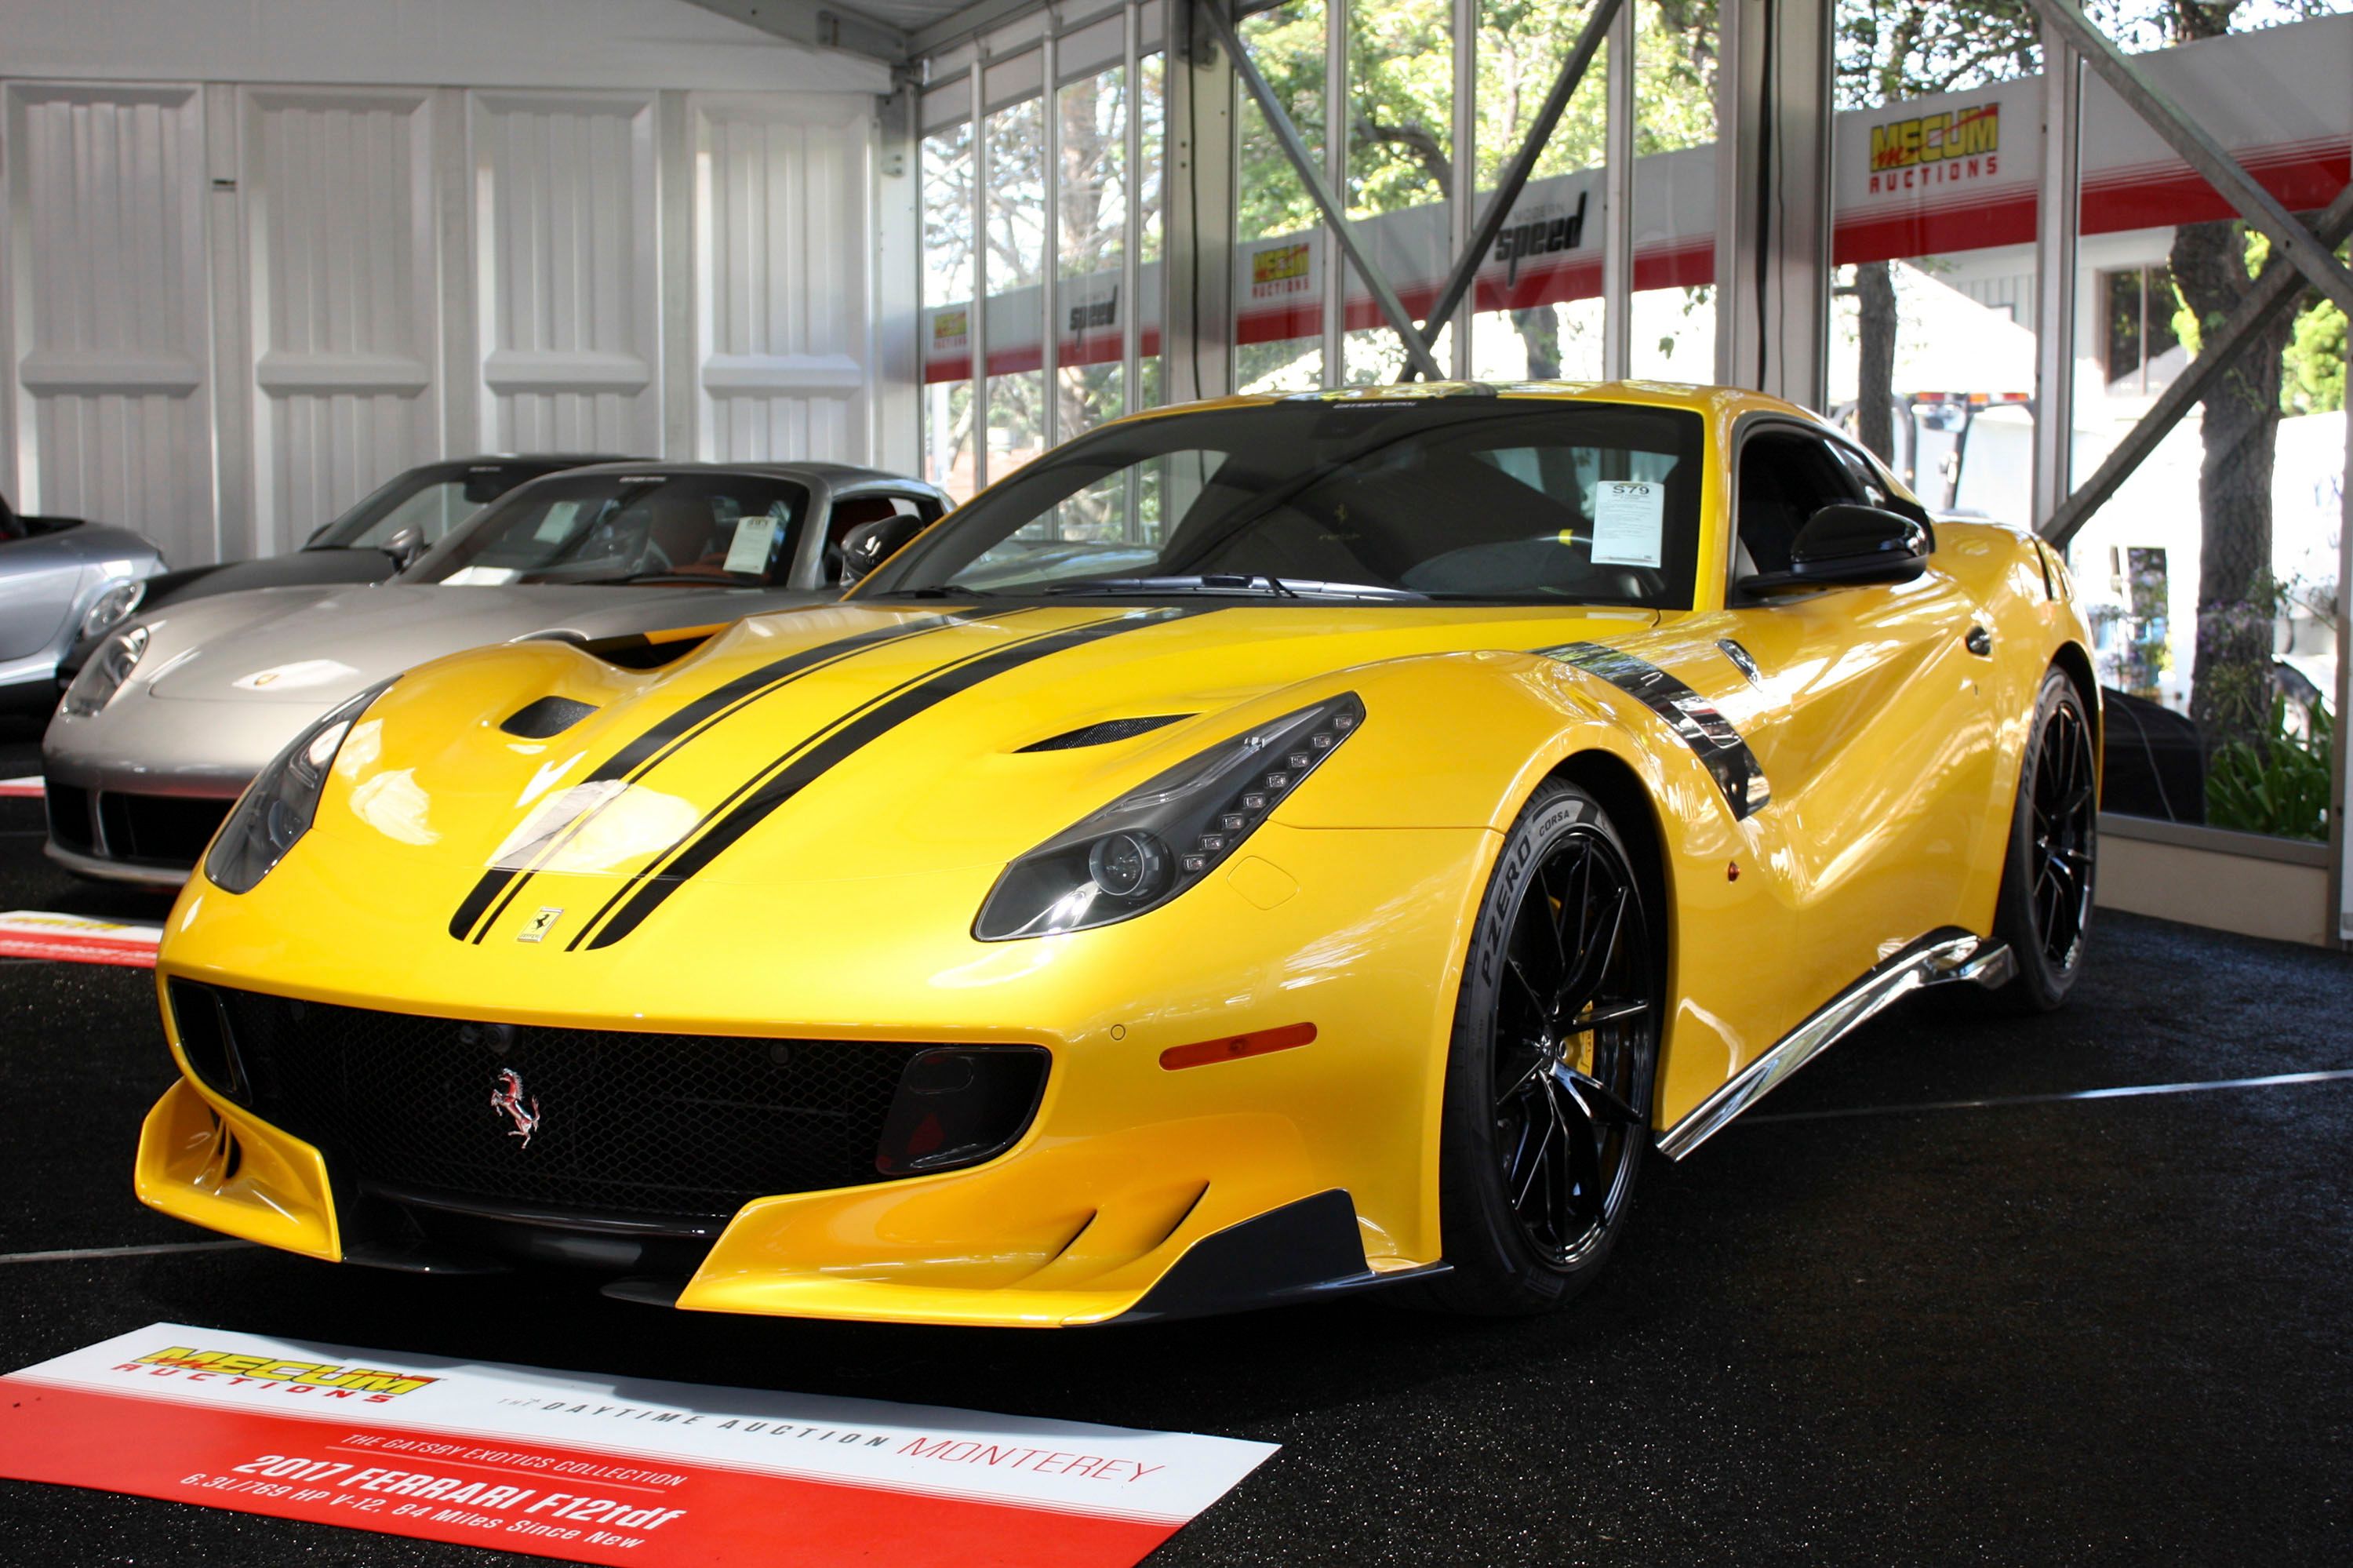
x: 2315, y: 361
x: 2277, y: 785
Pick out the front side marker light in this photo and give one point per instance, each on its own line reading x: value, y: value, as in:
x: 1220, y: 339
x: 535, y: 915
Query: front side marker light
x: 1149, y: 846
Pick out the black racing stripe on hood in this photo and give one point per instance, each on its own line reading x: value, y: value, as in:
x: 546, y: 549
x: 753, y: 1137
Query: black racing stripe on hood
x: 1694, y: 719
x: 797, y: 770
x: 665, y: 736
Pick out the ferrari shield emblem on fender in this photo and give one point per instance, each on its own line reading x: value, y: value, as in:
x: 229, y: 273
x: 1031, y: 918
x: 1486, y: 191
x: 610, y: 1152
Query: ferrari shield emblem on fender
x: 536, y: 929
x: 508, y: 1101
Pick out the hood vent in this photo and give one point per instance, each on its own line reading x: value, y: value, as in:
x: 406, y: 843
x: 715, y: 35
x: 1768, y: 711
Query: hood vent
x: 546, y: 716
x: 1104, y: 734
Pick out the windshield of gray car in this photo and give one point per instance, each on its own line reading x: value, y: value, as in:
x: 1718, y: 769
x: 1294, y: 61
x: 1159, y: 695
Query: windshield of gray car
x: 719, y: 528
x: 433, y: 500
x: 1388, y: 500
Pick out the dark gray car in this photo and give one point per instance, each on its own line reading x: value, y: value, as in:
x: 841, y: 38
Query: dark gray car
x: 180, y: 707
x: 387, y: 531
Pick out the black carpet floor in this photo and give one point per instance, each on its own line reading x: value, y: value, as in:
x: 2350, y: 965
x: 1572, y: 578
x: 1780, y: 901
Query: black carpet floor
x: 2103, y: 1330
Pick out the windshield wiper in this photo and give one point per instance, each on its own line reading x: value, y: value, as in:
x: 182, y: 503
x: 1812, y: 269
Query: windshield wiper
x: 939, y: 592
x: 1259, y: 583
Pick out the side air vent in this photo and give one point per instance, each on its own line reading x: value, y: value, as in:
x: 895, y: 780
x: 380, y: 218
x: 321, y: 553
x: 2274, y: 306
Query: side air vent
x: 539, y: 719
x: 1104, y: 734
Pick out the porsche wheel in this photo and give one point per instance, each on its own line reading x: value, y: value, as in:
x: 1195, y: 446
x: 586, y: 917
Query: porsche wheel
x: 2046, y: 885
x: 1549, y: 1078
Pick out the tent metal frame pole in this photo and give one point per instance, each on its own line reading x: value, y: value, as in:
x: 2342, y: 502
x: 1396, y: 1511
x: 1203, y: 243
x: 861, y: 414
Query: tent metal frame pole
x: 976, y: 329
x: 1287, y: 137
x: 1618, y: 203
x: 1337, y: 20
x: 2273, y: 295
x: 1523, y: 164
x: 2198, y: 149
x: 2057, y: 208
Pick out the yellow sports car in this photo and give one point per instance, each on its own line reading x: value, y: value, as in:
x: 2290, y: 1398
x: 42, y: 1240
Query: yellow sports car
x: 1259, y: 850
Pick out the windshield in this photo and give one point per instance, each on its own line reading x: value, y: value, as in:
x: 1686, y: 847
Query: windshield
x: 722, y: 528
x: 1456, y: 498
x: 433, y: 500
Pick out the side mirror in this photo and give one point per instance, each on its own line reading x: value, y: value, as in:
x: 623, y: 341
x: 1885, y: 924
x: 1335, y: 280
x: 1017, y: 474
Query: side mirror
x: 404, y: 548
x: 1845, y: 544
x: 868, y: 544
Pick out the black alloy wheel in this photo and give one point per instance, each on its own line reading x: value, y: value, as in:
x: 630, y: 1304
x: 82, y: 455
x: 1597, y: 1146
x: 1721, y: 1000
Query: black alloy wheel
x: 2045, y: 910
x: 2064, y: 836
x: 1555, y: 1048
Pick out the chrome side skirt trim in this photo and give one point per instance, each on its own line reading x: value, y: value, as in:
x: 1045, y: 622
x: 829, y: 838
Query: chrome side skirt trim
x: 1938, y: 959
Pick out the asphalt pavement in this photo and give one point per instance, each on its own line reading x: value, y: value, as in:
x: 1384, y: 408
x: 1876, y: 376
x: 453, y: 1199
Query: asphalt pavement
x: 1925, y: 1306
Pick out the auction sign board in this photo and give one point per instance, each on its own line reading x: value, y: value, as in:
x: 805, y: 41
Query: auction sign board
x: 596, y: 1470
x: 79, y: 939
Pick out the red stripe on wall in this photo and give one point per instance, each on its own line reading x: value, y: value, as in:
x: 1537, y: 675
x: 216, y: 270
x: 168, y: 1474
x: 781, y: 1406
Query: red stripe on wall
x: 2152, y: 195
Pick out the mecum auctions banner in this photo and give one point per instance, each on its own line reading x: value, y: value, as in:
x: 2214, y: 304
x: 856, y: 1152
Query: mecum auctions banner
x: 596, y: 1470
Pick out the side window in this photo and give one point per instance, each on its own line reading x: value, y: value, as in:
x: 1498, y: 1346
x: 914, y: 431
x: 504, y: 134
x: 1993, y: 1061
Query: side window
x: 1875, y: 488
x: 851, y: 511
x: 1784, y: 478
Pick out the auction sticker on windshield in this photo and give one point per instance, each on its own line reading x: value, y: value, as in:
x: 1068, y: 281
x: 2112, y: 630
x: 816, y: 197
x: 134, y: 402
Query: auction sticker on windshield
x: 1628, y: 523
x: 593, y: 1469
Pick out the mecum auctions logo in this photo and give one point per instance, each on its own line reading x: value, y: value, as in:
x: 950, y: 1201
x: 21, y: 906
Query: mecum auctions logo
x: 301, y: 1376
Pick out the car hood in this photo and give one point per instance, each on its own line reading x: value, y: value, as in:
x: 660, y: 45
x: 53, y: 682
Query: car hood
x: 302, y: 568
x: 315, y: 646
x: 855, y: 741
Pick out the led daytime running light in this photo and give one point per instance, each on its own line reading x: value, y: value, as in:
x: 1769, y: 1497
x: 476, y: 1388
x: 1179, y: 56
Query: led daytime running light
x: 1150, y: 845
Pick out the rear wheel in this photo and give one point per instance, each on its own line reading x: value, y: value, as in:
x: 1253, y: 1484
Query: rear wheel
x: 1550, y: 1074
x: 2046, y: 886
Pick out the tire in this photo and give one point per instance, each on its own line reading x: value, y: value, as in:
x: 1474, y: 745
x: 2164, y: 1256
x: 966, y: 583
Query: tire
x: 2045, y: 910
x: 1526, y: 1220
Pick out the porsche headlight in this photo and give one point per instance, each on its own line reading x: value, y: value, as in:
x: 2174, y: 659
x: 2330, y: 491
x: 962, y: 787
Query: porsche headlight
x: 276, y: 806
x: 1144, y: 848
x: 99, y: 679
x: 110, y: 608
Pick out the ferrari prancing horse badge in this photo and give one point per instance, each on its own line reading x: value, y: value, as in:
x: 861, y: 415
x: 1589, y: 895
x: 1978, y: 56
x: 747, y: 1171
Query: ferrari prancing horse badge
x: 536, y: 929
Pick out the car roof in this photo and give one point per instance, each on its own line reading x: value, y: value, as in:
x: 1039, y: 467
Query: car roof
x: 834, y: 476
x: 1699, y: 397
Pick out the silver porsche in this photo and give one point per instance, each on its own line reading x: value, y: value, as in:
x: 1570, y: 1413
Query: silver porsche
x: 176, y: 711
x: 61, y: 579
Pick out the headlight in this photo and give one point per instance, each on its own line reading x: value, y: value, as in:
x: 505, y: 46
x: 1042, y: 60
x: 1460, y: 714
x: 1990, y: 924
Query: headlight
x: 276, y: 809
x: 108, y: 607
x: 103, y: 676
x: 1141, y: 851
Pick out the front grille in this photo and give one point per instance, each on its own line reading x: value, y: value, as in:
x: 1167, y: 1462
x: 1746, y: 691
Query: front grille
x: 161, y: 830
x: 68, y: 807
x: 664, y: 1125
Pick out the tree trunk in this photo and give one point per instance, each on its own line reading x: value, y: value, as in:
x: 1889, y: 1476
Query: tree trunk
x: 1539, y: 329
x: 1875, y: 416
x: 2231, y: 696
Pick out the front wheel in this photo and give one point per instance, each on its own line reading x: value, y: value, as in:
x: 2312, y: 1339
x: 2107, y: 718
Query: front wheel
x: 2045, y: 909
x: 1551, y: 1069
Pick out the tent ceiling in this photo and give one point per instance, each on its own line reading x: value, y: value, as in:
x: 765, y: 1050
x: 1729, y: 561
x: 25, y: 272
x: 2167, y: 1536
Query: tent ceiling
x: 886, y: 29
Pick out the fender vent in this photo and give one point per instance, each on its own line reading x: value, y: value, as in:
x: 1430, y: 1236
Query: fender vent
x: 1104, y: 734
x: 544, y: 716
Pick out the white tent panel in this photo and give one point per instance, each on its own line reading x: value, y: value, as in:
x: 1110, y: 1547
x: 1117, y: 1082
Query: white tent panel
x: 569, y: 276
x: 345, y: 307
x: 785, y: 319
x: 108, y: 322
